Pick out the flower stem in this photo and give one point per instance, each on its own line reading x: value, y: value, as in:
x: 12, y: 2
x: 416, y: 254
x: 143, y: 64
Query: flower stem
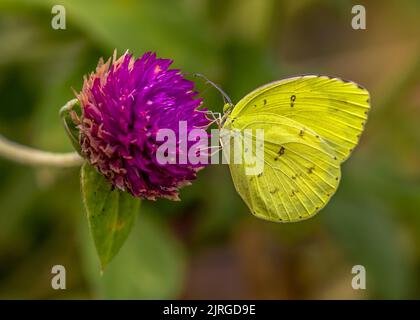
x: 34, y: 157
x: 29, y: 156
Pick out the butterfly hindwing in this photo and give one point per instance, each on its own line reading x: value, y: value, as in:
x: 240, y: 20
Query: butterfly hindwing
x: 300, y: 171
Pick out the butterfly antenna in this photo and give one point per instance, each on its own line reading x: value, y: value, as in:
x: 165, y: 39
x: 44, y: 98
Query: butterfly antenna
x: 225, y: 96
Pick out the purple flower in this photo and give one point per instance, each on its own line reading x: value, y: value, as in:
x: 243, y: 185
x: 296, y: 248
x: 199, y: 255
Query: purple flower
x: 124, y: 104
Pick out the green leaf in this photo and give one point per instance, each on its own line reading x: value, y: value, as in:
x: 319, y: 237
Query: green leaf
x: 111, y: 213
x: 69, y: 125
x: 151, y: 265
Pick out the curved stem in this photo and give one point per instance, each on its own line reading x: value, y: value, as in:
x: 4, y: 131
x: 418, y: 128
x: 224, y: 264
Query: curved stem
x: 34, y: 157
x: 29, y: 156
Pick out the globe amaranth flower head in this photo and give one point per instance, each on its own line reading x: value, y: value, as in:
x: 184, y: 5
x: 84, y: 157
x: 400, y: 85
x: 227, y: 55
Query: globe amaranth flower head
x: 124, y: 104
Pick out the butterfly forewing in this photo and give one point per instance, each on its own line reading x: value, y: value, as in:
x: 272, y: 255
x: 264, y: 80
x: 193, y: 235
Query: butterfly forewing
x: 334, y: 108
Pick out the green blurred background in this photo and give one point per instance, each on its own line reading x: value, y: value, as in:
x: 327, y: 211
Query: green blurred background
x: 208, y: 245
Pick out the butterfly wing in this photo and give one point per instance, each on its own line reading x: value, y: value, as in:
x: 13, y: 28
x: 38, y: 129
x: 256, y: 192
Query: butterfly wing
x: 335, y: 109
x: 310, y: 125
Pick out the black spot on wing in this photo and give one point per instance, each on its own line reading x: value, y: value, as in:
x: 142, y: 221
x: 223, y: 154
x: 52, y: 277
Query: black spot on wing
x: 292, y: 101
x: 281, y: 151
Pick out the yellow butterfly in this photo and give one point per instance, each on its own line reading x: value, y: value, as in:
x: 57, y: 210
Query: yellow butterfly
x: 311, y: 125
